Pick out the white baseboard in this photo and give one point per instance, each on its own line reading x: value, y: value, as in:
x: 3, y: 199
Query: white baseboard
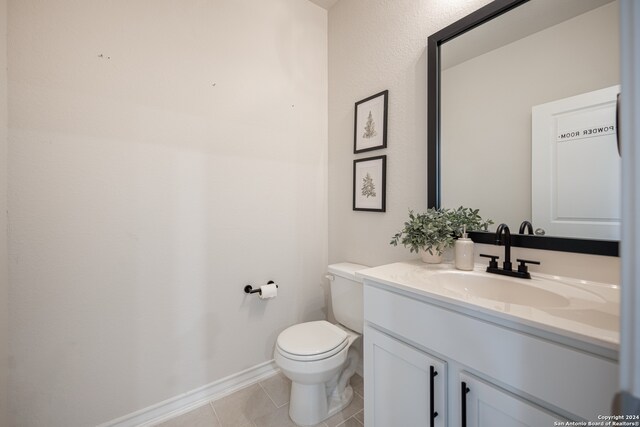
x: 192, y: 399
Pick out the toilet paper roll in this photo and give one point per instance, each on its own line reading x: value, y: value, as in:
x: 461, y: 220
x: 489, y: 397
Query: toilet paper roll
x: 268, y: 291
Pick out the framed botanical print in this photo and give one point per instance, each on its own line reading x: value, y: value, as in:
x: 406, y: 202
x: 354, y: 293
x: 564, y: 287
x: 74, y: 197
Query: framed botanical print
x: 371, y: 123
x: 369, y: 184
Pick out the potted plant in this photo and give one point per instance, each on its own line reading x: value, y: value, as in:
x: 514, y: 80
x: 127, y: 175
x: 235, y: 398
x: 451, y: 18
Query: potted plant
x: 432, y: 232
x: 428, y: 233
x: 467, y: 217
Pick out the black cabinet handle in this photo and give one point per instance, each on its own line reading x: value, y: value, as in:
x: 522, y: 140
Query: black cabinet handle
x: 432, y: 414
x: 463, y: 402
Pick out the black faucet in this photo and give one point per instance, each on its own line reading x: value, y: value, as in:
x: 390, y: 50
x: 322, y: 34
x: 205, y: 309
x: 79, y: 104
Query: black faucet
x: 503, y: 237
x: 526, y: 225
x: 504, y: 229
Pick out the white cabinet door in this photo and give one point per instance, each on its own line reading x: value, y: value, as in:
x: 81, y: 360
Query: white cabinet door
x: 404, y: 386
x: 484, y: 405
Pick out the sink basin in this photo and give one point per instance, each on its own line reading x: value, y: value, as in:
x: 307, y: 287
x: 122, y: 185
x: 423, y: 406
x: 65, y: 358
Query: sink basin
x: 499, y: 288
x: 571, y: 307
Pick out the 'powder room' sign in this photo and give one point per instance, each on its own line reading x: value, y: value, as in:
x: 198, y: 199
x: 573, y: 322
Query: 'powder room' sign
x: 591, y: 123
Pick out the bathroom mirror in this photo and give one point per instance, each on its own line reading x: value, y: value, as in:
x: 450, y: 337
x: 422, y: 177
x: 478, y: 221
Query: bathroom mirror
x: 486, y: 73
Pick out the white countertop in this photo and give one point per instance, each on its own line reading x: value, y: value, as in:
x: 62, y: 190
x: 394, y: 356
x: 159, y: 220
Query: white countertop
x: 589, y: 314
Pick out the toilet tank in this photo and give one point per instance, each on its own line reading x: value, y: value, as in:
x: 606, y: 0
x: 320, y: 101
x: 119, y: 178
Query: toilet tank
x: 347, y: 295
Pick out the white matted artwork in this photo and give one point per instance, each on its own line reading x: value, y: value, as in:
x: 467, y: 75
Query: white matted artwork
x: 371, y: 123
x: 369, y: 184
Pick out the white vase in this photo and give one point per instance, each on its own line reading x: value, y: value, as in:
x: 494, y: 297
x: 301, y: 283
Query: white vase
x: 429, y: 258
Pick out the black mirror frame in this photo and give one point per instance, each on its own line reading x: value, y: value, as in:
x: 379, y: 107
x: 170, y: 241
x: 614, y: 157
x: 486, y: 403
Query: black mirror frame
x: 474, y: 19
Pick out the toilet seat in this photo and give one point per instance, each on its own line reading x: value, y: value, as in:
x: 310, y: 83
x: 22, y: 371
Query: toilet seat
x: 311, y: 341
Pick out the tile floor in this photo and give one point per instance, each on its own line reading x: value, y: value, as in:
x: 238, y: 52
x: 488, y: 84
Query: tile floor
x: 265, y: 404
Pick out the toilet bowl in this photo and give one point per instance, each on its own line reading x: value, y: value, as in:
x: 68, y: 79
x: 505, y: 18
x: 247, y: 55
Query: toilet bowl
x: 318, y: 356
x: 319, y: 374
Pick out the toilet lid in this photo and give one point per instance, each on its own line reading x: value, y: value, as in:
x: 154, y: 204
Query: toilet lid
x: 311, y: 338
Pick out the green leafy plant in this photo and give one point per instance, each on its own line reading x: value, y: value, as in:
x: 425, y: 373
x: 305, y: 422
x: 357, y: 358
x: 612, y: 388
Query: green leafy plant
x: 467, y: 217
x: 436, y: 229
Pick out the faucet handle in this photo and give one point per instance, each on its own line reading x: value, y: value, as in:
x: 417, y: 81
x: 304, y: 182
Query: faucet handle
x: 522, y: 267
x: 493, y: 263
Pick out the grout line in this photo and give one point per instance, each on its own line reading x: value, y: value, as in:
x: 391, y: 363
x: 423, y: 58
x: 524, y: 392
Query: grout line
x: 269, y: 396
x: 355, y: 418
x: 215, y: 413
x: 351, y: 417
x: 342, y: 423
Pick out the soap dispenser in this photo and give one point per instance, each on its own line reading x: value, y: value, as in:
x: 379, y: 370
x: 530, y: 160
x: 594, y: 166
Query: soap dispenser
x: 464, y: 251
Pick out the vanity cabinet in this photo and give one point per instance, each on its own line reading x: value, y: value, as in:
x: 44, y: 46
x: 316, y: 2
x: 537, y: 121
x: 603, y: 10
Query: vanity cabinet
x: 410, y: 385
x: 513, y: 377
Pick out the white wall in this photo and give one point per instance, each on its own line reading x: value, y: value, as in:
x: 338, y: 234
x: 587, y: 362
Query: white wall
x: 162, y: 155
x: 4, y: 274
x: 377, y: 45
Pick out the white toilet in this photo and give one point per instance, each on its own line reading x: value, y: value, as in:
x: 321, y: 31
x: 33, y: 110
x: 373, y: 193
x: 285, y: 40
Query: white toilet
x: 317, y: 356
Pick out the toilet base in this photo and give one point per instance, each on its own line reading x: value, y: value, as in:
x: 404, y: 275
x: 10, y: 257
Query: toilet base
x: 309, y: 405
x: 338, y: 403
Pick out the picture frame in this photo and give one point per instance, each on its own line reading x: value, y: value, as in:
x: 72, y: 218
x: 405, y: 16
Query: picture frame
x: 369, y: 184
x: 370, y: 127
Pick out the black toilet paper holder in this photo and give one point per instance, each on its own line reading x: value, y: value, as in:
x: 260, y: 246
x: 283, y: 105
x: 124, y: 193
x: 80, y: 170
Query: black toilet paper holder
x: 249, y: 289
